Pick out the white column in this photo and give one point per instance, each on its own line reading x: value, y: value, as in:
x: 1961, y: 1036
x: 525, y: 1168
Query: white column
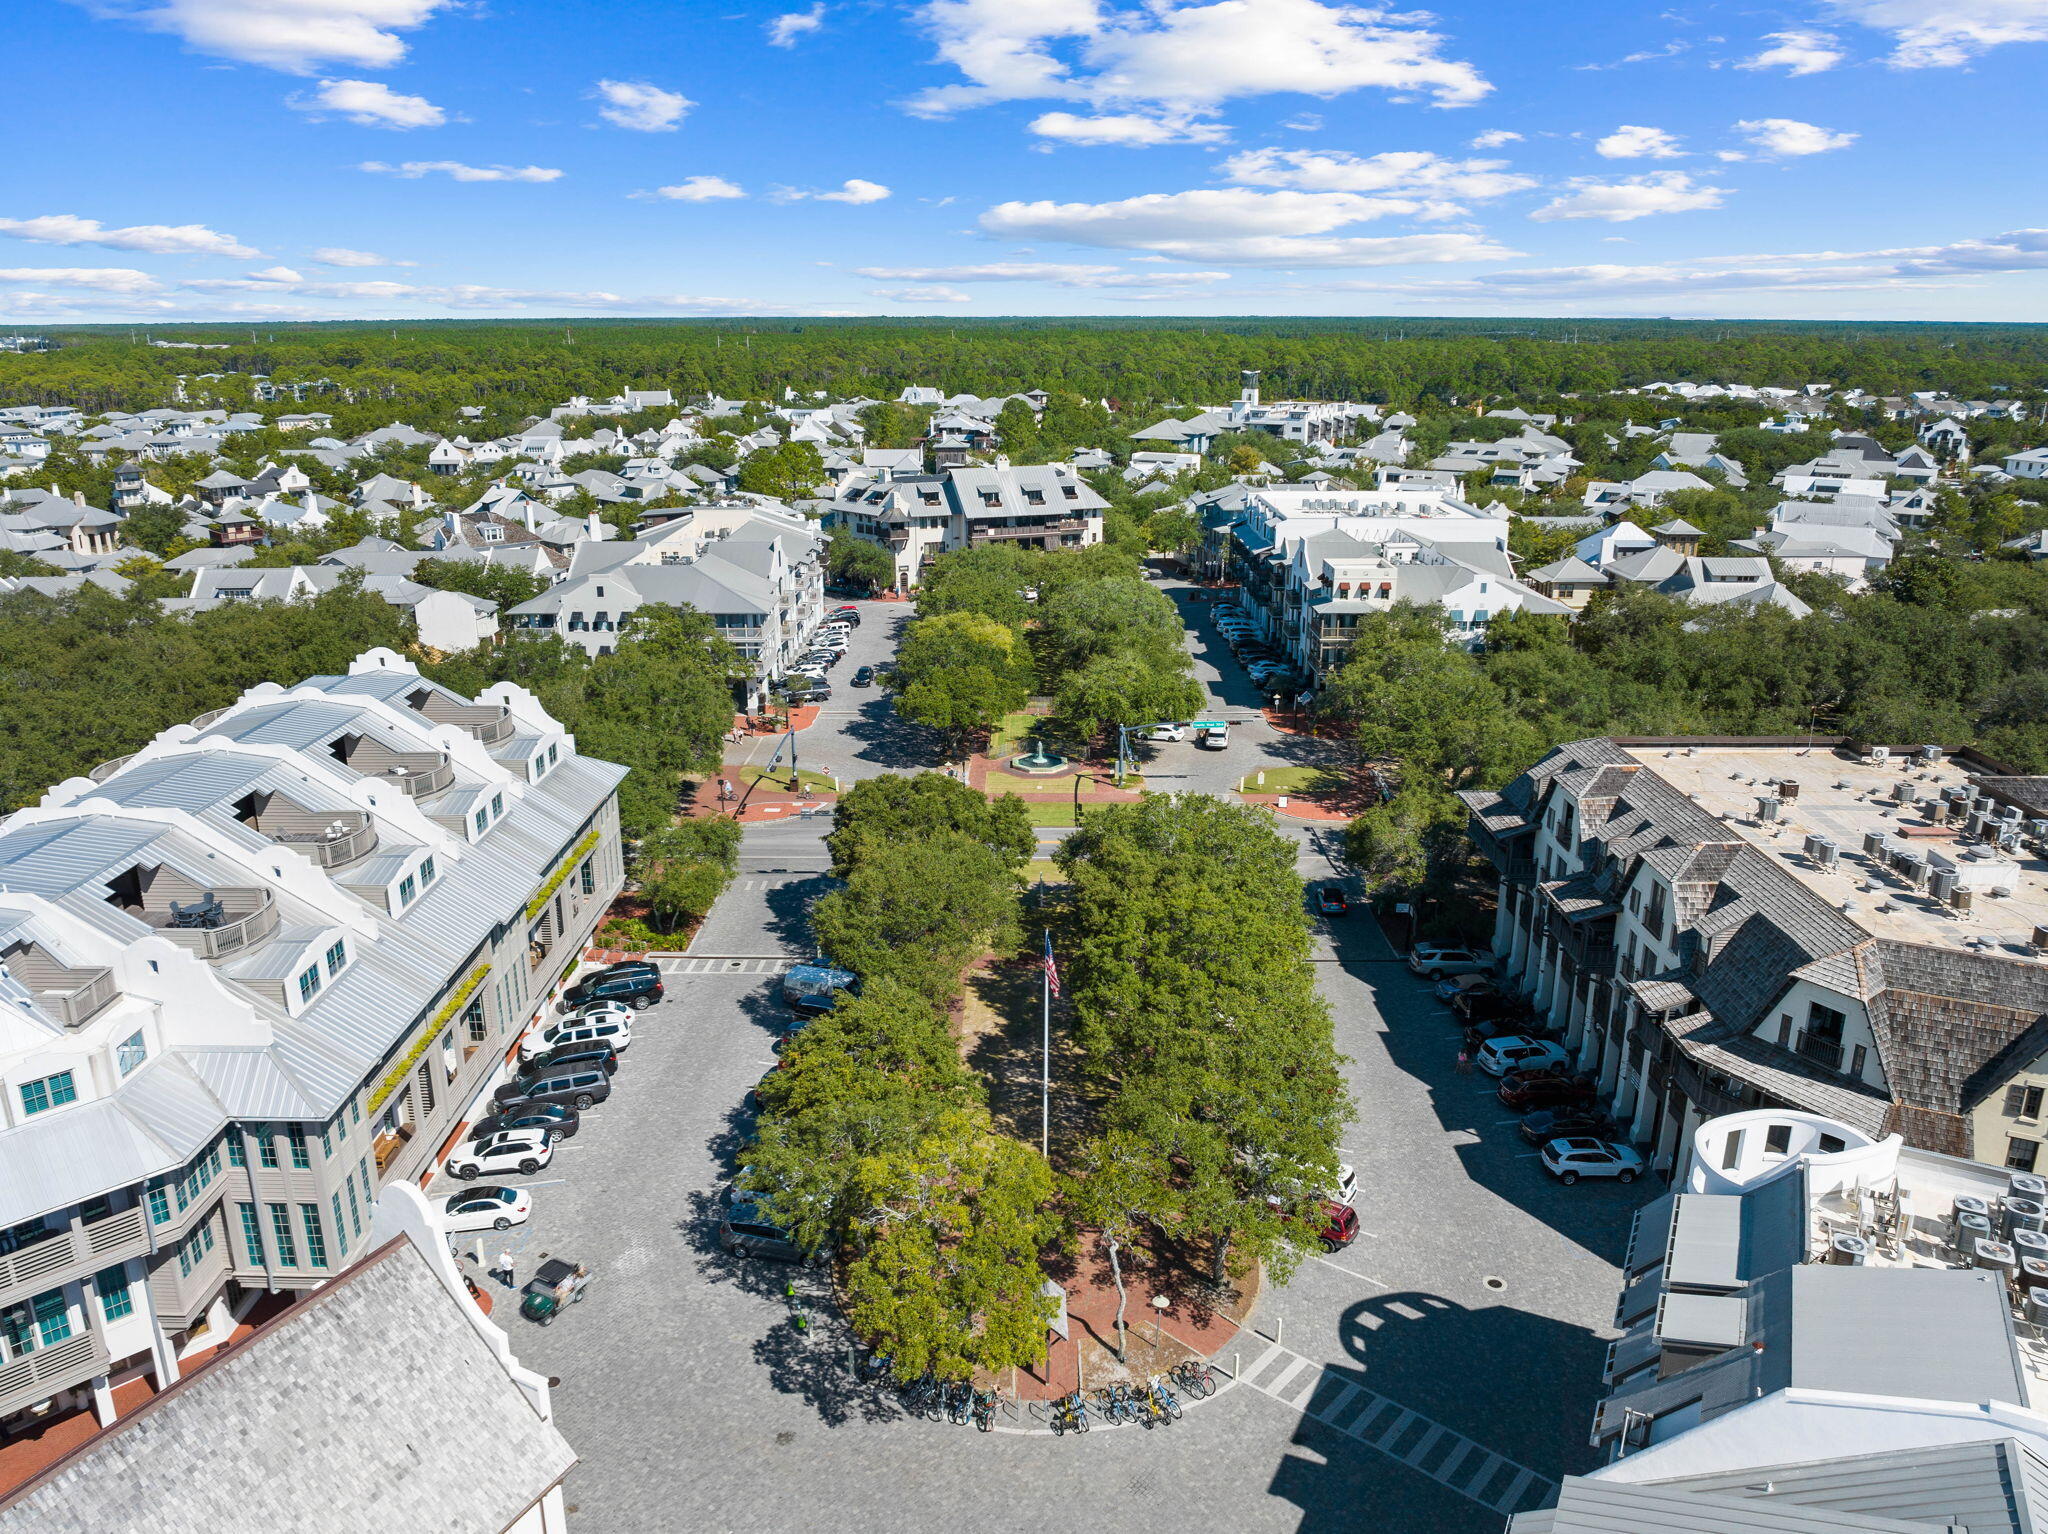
x: 1503, y: 926
x: 102, y: 1400
x: 1646, y: 1100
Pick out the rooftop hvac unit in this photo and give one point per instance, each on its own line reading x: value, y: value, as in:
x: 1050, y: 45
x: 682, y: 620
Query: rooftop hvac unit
x: 1969, y: 1203
x: 1827, y: 854
x: 1902, y: 792
x: 1767, y: 809
x: 1788, y: 789
x: 2033, y: 1273
x: 2009, y: 839
x: 1880, y: 754
x: 1994, y: 1256
x: 2012, y: 814
x: 1913, y: 870
x: 1977, y: 823
x: 2037, y: 1307
x: 1874, y: 845
x: 2037, y: 829
x: 1963, y: 901
x: 1847, y: 1251
x: 1970, y: 1229
x: 2040, y: 937
x: 2025, y: 1217
x: 2031, y: 1185
x: 1941, y: 884
x: 1930, y: 754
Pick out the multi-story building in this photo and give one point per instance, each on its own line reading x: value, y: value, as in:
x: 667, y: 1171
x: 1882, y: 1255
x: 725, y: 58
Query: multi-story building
x: 757, y: 570
x: 915, y: 516
x: 1816, y: 1339
x: 1716, y: 925
x: 250, y: 973
x: 1311, y: 563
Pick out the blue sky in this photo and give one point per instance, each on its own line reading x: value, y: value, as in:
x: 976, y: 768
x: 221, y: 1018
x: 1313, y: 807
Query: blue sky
x: 305, y: 159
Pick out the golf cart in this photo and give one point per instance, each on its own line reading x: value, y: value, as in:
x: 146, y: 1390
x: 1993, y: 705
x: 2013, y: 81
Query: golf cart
x: 555, y: 1283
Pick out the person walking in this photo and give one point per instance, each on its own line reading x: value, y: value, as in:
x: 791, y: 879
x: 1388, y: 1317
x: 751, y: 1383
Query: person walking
x: 507, y: 1269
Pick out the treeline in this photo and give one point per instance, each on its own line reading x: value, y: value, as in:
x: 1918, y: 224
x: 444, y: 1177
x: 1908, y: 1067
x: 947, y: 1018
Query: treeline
x: 875, y: 1141
x: 1941, y: 650
x: 426, y: 371
x: 92, y: 676
x: 1223, y: 1103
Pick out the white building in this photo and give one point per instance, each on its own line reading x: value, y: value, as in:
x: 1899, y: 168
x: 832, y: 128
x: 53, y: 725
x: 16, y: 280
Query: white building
x: 915, y: 516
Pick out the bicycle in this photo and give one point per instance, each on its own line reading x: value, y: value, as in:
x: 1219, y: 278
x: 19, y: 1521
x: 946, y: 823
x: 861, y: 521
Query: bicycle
x: 1164, y: 1401
x: 1069, y: 1412
x: 959, y: 1402
x: 984, y: 1410
x: 1196, y: 1377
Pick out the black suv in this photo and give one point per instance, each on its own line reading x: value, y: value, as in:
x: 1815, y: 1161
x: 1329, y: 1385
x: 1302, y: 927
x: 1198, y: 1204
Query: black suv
x: 596, y: 1054
x: 574, y: 1087
x: 639, y: 988
x: 557, y: 1120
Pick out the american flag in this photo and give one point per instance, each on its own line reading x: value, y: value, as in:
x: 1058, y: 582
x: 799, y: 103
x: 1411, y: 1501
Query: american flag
x: 1052, y: 970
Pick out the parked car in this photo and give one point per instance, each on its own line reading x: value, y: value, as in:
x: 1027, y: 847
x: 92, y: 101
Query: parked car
x: 597, y: 1054
x: 745, y: 1230
x: 637, y: 988
x: 1547, y: 1124
x: 559, y: 1121
x: 524, y: 1151
x: 629, y: 967
x: 1450, y: 986
x: 1167, y: 732
x: 1215, y: 737
x: 1330, y: 901
x: 575, y: 1030
x: 809, y: 989
x: 486, y: 1208
x: 598, y: 1011
x: 1522, y: 1091
x: 1482, y: 1007
x: 1477, y: 1035
x: 865, y: 677
x: 1519, y: 1052
x: 577, y: 1089
x: 1434, y: 960
x: 1571, y: 1159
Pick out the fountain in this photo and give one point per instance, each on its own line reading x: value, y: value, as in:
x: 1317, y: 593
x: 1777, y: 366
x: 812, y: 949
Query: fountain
x: 1038, y: 761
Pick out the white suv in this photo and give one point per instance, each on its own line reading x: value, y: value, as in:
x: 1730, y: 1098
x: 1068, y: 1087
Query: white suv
x: 524, y: 1151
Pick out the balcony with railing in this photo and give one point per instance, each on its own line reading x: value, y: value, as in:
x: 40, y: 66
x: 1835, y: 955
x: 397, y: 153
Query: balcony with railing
x: 48, y: 1370
x: 108, y: 768
x: 487, y: 722
x: 331, y: 838
x: 71, y: 996
x: 1822, y: 1048
x: 213, y: 923
x: 419, y: 773
x: 59, y: 1255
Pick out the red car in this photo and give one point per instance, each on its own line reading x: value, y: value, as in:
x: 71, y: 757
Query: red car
x: 1522, y: 1091
x: 1336, y: 1224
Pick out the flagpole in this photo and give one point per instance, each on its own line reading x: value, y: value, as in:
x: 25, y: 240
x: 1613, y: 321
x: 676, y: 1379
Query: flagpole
x: 1045, y: 1056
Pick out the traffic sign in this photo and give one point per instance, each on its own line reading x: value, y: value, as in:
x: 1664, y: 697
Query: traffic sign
x: 1205, y: 724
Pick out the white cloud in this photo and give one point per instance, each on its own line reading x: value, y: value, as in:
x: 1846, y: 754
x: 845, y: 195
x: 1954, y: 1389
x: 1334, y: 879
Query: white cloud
x: 341, y: 255
x: 1304, y: 122
x: 1665, y: 191
x: 1643, y: 56
x: 855, y: 190
x: 292, y: 35
x: 1785, y: 138
x: 695, y: 189
x: 99, y: 279
x: 1064, y: 274
x: 371, y: 104
x: 1797, y: 53
x: 642, y: 107
x: 1237, y: 225
x: 153, y: 239
x: 412, y: 170
x: 785, y: 29
x: 278, y: 274
x: 934, y: 295
x: 1637, y: 143
x: 1131, y: 130
x: 1314, y: 170
x: 1493, y: 138
x: 1184, y: 59
x: 1939, y: 34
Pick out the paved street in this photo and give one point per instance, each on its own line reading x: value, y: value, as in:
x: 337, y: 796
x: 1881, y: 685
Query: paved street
x: 1433, y: 1376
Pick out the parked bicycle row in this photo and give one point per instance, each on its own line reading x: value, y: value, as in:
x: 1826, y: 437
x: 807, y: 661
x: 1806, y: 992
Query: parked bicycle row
x: 960, y: 1402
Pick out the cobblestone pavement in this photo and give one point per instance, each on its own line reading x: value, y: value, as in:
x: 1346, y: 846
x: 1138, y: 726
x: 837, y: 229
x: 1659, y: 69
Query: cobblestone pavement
x: 1435, y: 1375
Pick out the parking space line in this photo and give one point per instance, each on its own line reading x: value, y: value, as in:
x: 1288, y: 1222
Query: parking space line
x: 1366, y: 1278
x: 1377, y: 1429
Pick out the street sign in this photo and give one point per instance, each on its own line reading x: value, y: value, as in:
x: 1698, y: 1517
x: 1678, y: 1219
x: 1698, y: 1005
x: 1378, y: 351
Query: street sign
x: 1054, y: 1291
x: 1205, y: 724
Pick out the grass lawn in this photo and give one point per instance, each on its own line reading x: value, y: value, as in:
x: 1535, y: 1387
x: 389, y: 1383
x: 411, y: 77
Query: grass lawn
x: 1013, y: 732
x: 777, y: 781
x: 1023, y: 783
x: 1050, y: 812
x: 1291, y: 780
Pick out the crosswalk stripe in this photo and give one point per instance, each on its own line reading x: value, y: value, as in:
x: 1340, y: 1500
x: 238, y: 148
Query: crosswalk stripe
x: 1470, y: 1469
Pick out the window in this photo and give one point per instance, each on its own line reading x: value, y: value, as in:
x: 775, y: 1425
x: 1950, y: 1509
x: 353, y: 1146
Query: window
x: 355, y: 1216
x: 281, y: 1229
x: 355, y: 1110
x: 53, y: 1317
x: 336, y: 957
x: 316, y: 1238
x: 49, y: 1092
x: 408, y: 890
x: 340, y: 1230
x: 1731, y: 1151
x: 551, y: 754
x: 587, y: 876
x: 238, y: 1153
x: 301, y: 1158
x: 497, y: 805
x: 1856, y: 1058
x: 131, y: 1052
x: 1784, y: 1030
x: 159, y: 1207
x: 2023, y: 1102
x: 483, y: 819
x: 473, y: 1016
x: 111, y: 1285
x: 309, y: 984
x: 27, y: 1233
x: 326, y: 1142
x: 266, y: 1147
x: 1777, y: 1139
x: 426, y: 872
x: 252, y: 1234
x: 2020, y: 1154
x: 369, y: 1188
x: 1832, y: 1145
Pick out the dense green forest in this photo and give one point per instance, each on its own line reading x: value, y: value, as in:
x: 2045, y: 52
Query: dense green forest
x: 424, y: 371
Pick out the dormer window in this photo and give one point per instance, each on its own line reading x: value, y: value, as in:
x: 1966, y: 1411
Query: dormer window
x: 408, y: 891
x: 309, y: 983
